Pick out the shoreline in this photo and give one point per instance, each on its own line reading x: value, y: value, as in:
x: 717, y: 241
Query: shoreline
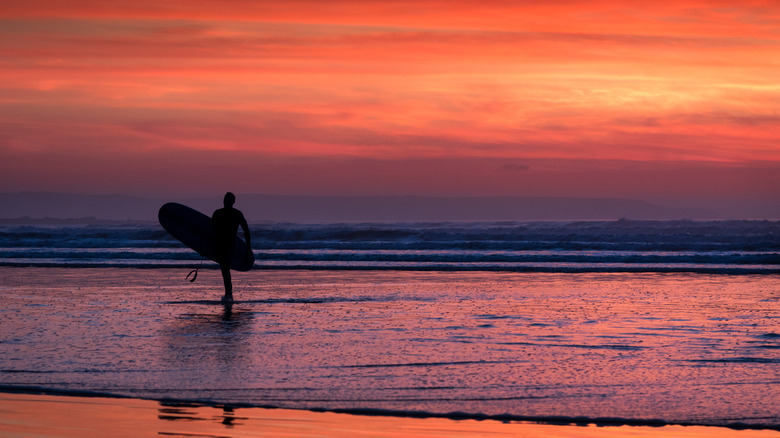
x: 51, y: 413
x: 596, y: 268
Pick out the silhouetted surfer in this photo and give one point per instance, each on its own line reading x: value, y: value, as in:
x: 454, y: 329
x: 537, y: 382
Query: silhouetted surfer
x: 226, y: 221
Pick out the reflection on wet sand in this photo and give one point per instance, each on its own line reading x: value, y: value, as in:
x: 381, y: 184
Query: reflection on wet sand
x: 25, y: 415
x: 213, y: 338
x: 684, y: 349
x: 180, y: 411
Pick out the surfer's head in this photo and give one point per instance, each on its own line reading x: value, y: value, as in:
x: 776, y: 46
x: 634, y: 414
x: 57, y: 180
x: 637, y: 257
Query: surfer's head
x: 229, y: 200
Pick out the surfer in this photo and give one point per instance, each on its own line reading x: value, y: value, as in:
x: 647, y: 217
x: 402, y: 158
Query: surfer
x: 226, y: 222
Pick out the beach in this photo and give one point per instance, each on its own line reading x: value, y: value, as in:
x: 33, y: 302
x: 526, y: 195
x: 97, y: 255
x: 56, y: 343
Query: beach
x: 25, y: 415
x: 637, y: 349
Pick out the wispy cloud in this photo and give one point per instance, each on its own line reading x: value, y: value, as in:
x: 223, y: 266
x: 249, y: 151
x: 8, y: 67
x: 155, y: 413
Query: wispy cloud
x: 653, y: 82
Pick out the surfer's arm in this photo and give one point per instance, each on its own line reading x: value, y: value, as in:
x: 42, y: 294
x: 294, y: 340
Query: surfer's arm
x: 247, y: 237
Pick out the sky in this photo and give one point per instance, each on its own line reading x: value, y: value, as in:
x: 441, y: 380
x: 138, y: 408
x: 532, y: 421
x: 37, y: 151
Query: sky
x: 670, y: 101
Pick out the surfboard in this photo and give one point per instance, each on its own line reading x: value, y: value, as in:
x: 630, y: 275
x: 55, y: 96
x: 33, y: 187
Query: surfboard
x: 196, y: 230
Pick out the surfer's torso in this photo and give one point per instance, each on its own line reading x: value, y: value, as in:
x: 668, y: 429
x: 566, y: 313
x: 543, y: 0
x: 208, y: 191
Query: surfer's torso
x: 226, y: 223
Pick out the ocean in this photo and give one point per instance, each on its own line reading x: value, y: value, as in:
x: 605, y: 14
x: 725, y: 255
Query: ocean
x: 609, y: 322
x: 727, y: 247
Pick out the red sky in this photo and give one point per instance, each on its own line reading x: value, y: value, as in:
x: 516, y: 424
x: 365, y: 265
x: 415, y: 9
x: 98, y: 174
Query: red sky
x: 654, y: 100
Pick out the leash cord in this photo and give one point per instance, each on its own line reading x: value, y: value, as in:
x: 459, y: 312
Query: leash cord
x: 194, y: 273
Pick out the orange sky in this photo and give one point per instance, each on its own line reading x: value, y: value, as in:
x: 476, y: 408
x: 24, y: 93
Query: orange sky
x: 646, y: 99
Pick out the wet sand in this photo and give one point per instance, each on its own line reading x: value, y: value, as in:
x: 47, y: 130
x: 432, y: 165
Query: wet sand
x: 649, y: 349
x: 26, y: 415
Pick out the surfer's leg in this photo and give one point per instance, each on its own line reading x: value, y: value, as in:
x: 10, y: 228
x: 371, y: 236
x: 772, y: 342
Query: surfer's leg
x: 228, y: 282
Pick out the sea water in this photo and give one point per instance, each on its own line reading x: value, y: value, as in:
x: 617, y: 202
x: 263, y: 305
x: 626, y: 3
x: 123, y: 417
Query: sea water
x: 675, y: 322
x: 729, y: 247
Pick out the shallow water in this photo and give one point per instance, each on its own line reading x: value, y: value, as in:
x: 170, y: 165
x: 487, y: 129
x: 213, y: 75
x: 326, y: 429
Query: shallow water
x: 682, y: 348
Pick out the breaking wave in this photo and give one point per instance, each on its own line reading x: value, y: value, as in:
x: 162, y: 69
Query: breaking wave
x: 624, y: 245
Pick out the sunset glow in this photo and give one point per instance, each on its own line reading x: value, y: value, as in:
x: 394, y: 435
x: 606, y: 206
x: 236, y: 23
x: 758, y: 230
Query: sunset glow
x: 652, y: 100
x: 132, y: 418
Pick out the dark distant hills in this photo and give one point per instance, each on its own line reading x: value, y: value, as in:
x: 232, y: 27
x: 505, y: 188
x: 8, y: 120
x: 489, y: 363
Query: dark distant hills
x: 259, y: 208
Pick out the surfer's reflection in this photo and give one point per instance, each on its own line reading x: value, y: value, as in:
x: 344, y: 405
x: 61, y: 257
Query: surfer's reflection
x: 229, y: 417
x: 211, y: 341
x: 191, y: 412
x: 227, y: 314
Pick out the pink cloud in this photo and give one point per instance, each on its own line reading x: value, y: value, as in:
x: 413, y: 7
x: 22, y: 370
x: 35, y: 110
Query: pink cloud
x: 400, y: 87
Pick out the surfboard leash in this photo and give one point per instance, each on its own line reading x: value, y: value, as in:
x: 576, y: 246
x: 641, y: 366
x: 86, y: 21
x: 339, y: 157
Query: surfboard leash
x: 194, y: 273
